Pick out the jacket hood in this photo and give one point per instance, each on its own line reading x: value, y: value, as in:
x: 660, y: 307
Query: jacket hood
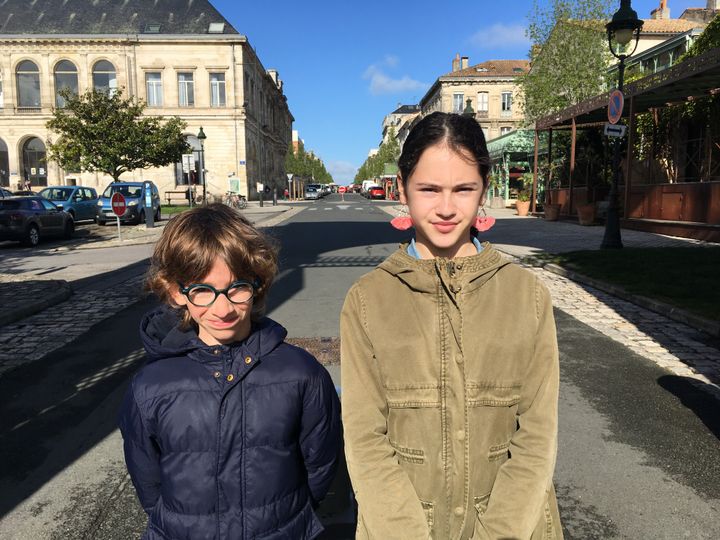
x: 422, y: 274
x: 163, y: 337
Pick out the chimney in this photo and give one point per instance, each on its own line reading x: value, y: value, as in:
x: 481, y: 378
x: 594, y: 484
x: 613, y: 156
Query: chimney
x: 464, y: 62
x: 663, y: 12
x: 456, y: 63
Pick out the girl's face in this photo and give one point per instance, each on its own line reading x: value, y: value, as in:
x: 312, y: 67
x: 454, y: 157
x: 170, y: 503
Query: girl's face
x: 443, y: 195
x: 222, y: 322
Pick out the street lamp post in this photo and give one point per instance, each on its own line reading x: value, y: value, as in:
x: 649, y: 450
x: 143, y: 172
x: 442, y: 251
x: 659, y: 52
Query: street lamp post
x: 469, y: 112
x: 201, y: 137
x: 621, y: 31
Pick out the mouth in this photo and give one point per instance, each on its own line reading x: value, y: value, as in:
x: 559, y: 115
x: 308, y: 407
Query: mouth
x: 222, y: 324
x: 445, y: 226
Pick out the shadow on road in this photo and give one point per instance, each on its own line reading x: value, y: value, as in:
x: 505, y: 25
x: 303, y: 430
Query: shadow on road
x: 703, y: 404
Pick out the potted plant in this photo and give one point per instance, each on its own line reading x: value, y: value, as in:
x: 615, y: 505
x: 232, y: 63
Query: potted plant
x: 552, y: 211
x: 522, y: 204
x: 496, y: 200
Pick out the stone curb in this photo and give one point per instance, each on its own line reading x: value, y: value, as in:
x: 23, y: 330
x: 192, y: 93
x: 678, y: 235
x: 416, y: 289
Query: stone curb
x: 700, y: 323
x: 62, y: 292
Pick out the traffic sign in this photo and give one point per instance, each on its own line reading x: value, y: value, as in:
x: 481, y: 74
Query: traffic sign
x: 612, y: 130
x: 615, y: 106
x: 342, y: 189
x: 117, y: 204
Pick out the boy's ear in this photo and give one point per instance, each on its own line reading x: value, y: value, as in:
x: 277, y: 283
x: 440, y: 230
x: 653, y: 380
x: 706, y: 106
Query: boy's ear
x: 178, y: 298
x: 401, y: 190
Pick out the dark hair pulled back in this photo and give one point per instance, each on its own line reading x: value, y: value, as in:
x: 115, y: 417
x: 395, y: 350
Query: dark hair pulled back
x: 462, y: 134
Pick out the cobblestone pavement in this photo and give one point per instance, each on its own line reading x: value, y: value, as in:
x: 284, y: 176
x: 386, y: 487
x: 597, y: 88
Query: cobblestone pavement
x: 676, y: 347
x: 32, y: 338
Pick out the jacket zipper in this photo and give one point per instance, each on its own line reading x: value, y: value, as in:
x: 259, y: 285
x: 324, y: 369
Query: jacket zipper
x: 217, y: 464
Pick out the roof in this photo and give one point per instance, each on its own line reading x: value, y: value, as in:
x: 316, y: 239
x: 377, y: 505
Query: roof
x: 695, y: 77
x: 493, y: 68
x: 668, y: 26
x: 406, y: 109
x: 98, y: 17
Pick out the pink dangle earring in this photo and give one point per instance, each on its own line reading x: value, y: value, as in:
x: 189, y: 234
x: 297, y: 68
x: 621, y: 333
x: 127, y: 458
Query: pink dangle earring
x: 483, y: 222
x: 402, y: 222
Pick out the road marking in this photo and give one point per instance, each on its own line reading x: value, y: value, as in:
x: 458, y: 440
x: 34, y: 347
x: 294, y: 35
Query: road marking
x: 327, y: 209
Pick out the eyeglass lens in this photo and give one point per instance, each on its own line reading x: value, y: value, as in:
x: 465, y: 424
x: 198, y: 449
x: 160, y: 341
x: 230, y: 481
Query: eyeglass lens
x: 204, y: 296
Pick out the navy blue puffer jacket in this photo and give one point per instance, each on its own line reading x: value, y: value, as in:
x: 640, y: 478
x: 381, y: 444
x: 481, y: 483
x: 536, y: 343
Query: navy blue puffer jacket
x: 229, y: 442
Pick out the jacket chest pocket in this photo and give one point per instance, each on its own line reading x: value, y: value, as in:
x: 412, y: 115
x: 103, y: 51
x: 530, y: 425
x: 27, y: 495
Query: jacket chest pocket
x: 493, y: 409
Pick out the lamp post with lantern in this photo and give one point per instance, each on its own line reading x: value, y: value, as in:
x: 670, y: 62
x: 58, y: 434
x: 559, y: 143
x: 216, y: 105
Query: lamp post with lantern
x: 623, y: 32
x: 201, y: 137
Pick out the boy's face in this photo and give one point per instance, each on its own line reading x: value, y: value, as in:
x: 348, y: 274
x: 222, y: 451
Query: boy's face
x: 222, y: 322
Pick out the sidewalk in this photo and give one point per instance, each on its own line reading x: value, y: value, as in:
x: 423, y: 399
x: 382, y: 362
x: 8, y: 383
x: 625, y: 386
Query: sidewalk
x: 23, y: 295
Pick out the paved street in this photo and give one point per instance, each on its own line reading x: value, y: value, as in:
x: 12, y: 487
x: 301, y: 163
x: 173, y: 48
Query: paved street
x: 639, y: 424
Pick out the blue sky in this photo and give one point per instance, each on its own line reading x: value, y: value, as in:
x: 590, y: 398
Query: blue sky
x: 347, y: 64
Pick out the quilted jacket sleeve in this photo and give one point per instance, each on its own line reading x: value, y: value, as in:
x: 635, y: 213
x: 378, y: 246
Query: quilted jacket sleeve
x: 141, y: 453
x: 320, y: 435
x: 522, y: 484
x: 389, y: 508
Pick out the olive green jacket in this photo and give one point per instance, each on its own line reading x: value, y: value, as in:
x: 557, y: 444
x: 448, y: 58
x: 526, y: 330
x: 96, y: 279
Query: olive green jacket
x: 449, y: 400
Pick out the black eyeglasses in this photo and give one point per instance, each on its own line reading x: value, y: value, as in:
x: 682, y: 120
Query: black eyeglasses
x: 204, y: 295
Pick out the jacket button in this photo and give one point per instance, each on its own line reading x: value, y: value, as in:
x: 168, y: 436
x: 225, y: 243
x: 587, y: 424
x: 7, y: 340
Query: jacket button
x: 461, y: 435
x: 459, y: 358
x: 459, y: 511
x: 248, y: 359
x: 230, y: 377
x: 217, y: 374
x: 216, y: 352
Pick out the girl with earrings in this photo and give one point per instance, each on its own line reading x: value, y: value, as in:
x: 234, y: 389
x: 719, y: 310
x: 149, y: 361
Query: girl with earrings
x: 449, y: 365
x: 229, y: 432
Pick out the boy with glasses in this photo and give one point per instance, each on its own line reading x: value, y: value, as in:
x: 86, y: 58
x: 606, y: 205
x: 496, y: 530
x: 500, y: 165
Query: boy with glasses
x: 229, y: 432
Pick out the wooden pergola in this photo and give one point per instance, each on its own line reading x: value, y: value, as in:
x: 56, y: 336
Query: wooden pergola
x: 695, y: 78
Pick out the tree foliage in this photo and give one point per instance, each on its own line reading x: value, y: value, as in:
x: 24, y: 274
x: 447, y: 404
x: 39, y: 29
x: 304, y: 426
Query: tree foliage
x: 374, y: 165
x: 106, y: 132
x: 307, y: 165
x: 569, y: 55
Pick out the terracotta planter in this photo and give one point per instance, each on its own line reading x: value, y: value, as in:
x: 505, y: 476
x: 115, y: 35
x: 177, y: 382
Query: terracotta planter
x: 552, y: 212
x: 586, y: 213
x: 497, y: 202
x: 522, y: 207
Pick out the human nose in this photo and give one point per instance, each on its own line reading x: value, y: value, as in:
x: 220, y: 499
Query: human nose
x: 222, y: 307
x: 446, y: 205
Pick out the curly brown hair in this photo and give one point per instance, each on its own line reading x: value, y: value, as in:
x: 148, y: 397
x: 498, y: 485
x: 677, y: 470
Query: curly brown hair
x: 192, y: 242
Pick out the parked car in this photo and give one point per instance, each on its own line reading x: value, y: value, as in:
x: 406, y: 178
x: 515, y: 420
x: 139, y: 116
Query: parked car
x: 376, y: 192
x: 29, y: 219
x: 312, y: 193
x: 24, y: 193
x: 134, y: 199
x: 5, y: 193
x: 78, y: 201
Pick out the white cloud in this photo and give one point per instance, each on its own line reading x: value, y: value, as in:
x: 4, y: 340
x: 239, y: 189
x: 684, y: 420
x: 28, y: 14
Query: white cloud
x: 500, y: 36
x: 342, y: 171
x: 382, y: 83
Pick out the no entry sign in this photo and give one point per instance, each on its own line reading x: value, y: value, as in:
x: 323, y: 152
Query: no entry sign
x: 615, y: 106
x: 117, y: 204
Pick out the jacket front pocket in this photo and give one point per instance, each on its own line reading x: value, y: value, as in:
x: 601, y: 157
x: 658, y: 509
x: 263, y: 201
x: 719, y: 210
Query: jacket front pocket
x: 481, y: 394
x: 429, y: 509
x: 481, y: 504
x: 412, y: 455
x: 413, y: 396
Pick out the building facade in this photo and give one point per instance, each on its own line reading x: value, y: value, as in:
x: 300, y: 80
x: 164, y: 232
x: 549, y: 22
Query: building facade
x: 182, y: 58
x: 490, y: 88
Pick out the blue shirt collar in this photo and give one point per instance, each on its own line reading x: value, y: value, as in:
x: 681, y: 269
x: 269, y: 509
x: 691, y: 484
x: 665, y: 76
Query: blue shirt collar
x: 413, y: 252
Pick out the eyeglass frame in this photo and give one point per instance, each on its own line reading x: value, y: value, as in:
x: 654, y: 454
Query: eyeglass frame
x: 253, y: 286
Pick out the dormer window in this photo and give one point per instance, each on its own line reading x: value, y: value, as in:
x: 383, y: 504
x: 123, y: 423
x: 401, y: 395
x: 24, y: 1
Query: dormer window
x: 216, y: 28
x: 152, y: 28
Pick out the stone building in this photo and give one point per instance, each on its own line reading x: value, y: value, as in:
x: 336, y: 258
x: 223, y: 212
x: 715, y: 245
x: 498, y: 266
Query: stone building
x: 181, y: 56
x: 490, y: 87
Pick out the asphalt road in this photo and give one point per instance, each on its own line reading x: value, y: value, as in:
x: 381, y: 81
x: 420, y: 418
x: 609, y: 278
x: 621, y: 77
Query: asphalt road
x: 638, y: 456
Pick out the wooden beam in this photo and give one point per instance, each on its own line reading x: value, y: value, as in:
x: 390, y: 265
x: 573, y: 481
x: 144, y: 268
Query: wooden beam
x: 629, y: 157
x: 573, y: 141
x: 535, y: 175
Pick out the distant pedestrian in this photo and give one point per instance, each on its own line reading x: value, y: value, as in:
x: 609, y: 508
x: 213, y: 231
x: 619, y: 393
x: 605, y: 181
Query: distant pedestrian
x: 229, y: 432
x: 450, y: 365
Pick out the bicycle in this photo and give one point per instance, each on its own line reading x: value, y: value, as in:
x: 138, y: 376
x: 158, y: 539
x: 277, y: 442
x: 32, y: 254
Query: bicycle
x: 235, y: 200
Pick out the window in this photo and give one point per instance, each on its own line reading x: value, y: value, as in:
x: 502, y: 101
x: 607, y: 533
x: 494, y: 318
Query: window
x: 34, y: 162
x: 505, y: 129
x: 486, y: 133
x: 2, y: 99
x: 187, y: 171
x: 458, y: 103
x: 186, y: 90
x: 28, y: 85
x: 217, y: 89
x: 4, y: 165
x: 506, y: 104
x: 104, y: 77
x: 482, y: 104
x: 65, y: 77
x: 153, y: 88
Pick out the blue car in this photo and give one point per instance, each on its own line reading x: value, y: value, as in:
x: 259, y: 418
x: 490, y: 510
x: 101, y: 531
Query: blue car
x: 134, y: 199
x: 78, y: 201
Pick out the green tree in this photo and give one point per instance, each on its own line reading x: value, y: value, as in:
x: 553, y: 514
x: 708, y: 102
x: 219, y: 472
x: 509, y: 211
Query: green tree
x: 373, y: 167
x: 307, y: 165
x: 569, y: 55
x: 106, y: 132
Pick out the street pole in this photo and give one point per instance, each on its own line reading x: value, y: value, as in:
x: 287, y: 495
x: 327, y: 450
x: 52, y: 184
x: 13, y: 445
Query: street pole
x: 612, y: 238
x: 202, y: 172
